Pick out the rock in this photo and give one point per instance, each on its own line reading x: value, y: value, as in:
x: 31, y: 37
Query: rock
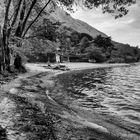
x: 95, y: 126
x: 13, y: 91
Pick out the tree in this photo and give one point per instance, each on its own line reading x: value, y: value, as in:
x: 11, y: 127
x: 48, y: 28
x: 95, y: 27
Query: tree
x: 94, y: 53
x: 75, y: 37
x: 105, y: 43
x: 84, y: 43
x: 65, y: 43
x: 47, y: 30
x: 17, y: 25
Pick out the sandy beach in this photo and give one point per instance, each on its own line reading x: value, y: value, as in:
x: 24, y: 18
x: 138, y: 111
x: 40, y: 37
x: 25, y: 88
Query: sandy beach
x: 71, y: 66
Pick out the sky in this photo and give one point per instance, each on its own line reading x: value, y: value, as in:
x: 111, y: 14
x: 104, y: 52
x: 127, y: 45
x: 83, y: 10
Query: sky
x: 125, y: 30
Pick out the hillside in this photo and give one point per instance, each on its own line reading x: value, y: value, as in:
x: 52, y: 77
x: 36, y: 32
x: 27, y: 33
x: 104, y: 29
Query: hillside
x: 75, y: 24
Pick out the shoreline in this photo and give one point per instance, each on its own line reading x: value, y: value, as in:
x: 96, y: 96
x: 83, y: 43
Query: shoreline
x: 114, y: 126
x: 73, y: 67
x: 84, y: 66
x: 32, y: 92
x: 36, y: 68
x: 42, y: 67
x: 80, y: 117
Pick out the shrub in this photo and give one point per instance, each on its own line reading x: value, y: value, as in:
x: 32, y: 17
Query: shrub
x: 130, y: 59
x: 96, y: 54
x: 116, y: 60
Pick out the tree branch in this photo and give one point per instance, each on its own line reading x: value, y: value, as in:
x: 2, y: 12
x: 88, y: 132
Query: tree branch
x: 28, y: 14
x: 6, y: 15
x: 15, y: 16
x: 16, y: 13
x: 21, y: 18
x: 36, y: 18
x: 6, y: 22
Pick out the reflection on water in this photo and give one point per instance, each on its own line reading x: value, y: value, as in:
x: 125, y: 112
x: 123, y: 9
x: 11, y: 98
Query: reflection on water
x: 108, y: 90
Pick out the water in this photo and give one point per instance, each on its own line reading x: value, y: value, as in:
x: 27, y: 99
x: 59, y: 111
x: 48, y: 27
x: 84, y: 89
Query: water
x: 107, y: 90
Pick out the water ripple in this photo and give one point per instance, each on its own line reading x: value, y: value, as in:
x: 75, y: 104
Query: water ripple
x: 112, y: 90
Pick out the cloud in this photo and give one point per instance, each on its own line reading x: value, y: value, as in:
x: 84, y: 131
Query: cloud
x: 125, y: 30
x: 129, y: 21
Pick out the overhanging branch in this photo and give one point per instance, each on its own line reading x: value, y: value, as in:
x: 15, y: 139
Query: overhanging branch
x: 28, y: 14
x: 6, y: 14
x: 16, y: 13
x: 36, y: 18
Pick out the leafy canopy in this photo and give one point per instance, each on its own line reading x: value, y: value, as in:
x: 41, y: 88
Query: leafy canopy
x: 103, y: 42
x: 118, y: 8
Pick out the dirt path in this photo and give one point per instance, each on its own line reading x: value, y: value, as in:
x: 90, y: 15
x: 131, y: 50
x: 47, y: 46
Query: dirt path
x: 22, y: 112
x: 28, y: 113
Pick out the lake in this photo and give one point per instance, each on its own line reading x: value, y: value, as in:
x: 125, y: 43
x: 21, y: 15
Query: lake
x: 108, y: 91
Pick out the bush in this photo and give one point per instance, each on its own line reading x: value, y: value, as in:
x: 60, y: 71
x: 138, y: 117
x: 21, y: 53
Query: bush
x: 116, y: 60
x: 130, y: 59
x: 96, y: 54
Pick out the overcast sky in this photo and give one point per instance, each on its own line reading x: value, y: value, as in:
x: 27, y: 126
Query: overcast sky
x: 125, y: 30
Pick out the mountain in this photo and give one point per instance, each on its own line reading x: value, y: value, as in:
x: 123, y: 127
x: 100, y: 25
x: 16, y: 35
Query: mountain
x: 75, y: 24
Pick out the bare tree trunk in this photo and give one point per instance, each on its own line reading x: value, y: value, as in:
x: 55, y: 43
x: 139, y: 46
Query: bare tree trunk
x: 2, y: 54
x: 7, y: 55
x: 18, y: 60
x: 28, y: 14
x: 18, y: 32
x: 4, y: 44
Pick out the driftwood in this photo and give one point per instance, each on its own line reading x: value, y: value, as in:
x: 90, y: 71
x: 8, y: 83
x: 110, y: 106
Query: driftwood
x: 57, y: 67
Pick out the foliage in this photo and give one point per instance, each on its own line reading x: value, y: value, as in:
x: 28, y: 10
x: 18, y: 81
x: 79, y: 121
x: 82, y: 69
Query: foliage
x: 116, y: 60
x: 126, y: 49
x: 84, y: 43
x: 38, y: 49
x: 118, y: 8
x: 103, y: 42
x: 47, y: 30
x: 72, y: 42
x: 99, y: 48
x: 136, y: 50
x: 129, y: 59
x: 65, y: 42
x: 75, y: 37
x: 96, y: 54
